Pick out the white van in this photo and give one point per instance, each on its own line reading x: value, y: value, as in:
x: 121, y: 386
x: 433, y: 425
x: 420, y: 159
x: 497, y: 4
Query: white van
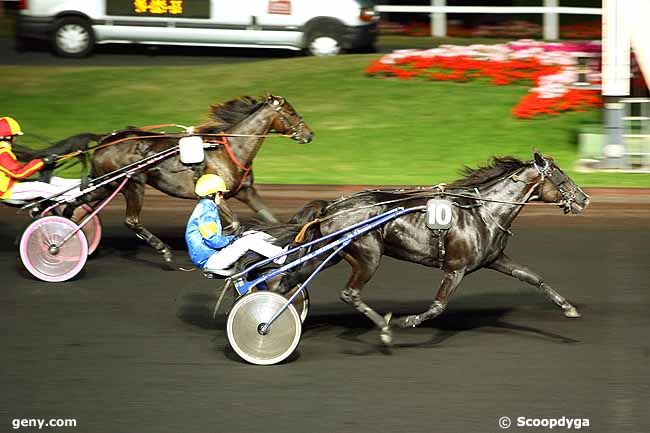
x: 320, y: 27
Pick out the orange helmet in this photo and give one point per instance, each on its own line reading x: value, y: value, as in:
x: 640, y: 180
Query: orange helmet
x: 9, y: 127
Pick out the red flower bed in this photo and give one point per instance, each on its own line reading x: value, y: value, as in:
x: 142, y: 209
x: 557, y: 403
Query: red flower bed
x: 541, y: 100
x: 462, y: 68
x: 574, y: 100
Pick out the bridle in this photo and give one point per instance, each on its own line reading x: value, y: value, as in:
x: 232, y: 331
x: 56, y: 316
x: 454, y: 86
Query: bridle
x: 560, y: 181
x: 297, y: 128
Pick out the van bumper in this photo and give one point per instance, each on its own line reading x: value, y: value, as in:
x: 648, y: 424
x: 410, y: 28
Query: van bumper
x: 33, y: 27
x: 360, y: 37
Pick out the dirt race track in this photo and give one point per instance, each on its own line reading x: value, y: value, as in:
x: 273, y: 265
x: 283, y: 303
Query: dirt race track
x: 130, y: 347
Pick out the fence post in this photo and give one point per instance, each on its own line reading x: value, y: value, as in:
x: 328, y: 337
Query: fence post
x: 551, y: 21
x: 439, y: 20
x: 616, y: 77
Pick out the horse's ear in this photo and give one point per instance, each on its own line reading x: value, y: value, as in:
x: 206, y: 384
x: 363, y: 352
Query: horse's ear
x: 276, y: 101
x: 539, y: 159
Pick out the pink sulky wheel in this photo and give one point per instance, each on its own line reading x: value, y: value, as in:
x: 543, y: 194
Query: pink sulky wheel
x: 92, y: 230
x: 43, y: 254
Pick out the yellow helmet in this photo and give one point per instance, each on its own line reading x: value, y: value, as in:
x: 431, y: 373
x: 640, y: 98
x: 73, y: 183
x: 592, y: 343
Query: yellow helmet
x: 209, y: 184
x: 9, y: 127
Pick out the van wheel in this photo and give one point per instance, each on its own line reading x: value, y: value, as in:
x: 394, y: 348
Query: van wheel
x: 324, y: 44
x: 73, y: 37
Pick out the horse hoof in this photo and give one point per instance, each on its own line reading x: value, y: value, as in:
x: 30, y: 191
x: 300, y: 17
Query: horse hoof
x: 572, y: 313
x: 386, y: 336
x: 167, y: 255
x: 406, y: 322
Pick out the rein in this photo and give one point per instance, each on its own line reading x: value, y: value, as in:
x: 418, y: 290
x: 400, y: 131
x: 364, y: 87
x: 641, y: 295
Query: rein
x: 440, y: 192
x: 161, y: 136
x: 222, y: 140
x: 246, y: 170
x: 276, y: 105
x: 297, y: 127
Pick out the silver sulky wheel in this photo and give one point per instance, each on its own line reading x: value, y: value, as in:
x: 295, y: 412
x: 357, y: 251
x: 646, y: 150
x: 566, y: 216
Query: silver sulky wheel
x: 301, y: 304
x: 244, y: 327
x: 45, y: 256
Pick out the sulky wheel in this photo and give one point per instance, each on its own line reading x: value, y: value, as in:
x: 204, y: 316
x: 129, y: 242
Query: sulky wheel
x: 43, y: 254
x: 92, y: 230
x: 244, y: 324
x: 301, y: 304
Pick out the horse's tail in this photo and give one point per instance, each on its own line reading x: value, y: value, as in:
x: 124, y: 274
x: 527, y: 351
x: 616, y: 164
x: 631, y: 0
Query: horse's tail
x: 309, y: 216
x: 74, y: 146
x: 70, y: 145
x: 77, y: 145
x: 309, y: 212
x: 84, y: 158
x: 24, y: 153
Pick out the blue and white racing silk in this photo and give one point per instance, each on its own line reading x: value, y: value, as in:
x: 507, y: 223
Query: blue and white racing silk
x: 203, y: 234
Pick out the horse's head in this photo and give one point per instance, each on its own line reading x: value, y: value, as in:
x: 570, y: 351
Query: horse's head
x: 559, y: 188
x: 287, y: 121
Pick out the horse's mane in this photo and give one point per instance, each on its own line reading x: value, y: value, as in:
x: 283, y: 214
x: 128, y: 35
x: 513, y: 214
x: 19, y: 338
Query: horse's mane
x: 230, y: 113
x: 496, y: 168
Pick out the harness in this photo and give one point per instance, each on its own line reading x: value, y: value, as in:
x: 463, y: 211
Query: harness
x: 214, y: 140
x: 559, y: 181
x: 297, y: 128
x: 553, y: 174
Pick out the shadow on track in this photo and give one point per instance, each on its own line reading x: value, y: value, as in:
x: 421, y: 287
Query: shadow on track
x: 330, y: 321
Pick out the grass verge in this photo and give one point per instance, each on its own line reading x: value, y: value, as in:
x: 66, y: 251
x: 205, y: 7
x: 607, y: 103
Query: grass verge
x: 368, y: 130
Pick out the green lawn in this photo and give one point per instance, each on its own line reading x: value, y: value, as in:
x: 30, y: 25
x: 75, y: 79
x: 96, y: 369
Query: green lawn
x: 368, y: 130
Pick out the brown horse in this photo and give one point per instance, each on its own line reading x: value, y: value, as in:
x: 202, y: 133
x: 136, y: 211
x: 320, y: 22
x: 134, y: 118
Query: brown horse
x: 246, y: 121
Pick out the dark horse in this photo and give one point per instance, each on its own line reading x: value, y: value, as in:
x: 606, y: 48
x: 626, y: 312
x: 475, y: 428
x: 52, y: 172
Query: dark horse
x: 485, y: 203
x: 246, y: 120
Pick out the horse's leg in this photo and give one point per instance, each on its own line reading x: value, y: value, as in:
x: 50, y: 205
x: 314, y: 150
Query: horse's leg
x: 96, y: 195
x: 364, y: 256
x: 134, y: 195
x: 506, y: 265
x: 248, y: 195
x: 448, y: 286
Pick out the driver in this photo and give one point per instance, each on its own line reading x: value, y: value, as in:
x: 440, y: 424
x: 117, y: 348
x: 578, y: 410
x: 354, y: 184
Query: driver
x: 208, y: 247
x: 12, y: 172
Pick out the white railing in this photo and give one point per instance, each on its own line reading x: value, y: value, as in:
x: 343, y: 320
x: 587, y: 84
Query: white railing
x: 439, y: 10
